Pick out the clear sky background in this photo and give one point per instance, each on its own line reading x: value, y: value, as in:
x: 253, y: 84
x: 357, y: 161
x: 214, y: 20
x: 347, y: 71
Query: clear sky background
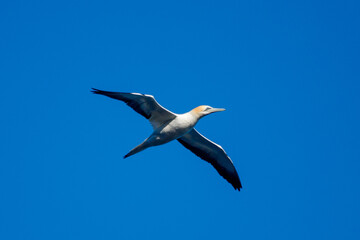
x: 286, y: 71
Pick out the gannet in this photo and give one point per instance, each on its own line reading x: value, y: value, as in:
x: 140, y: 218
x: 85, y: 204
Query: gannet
x: 169, y: 126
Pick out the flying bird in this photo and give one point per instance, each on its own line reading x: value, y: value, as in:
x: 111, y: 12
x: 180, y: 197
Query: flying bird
x: 169, y: 126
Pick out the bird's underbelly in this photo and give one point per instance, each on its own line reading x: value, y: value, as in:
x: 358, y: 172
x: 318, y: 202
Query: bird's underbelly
x: 171, y: 131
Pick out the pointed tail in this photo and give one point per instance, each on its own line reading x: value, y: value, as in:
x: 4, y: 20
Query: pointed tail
x: 137, y: 149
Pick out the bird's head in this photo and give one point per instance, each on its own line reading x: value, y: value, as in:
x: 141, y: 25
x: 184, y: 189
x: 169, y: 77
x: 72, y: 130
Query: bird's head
x: 204, y: 110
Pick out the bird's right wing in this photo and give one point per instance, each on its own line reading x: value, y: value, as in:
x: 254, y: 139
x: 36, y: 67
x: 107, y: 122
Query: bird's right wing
x: 145, y: 105
x: 212, y: 153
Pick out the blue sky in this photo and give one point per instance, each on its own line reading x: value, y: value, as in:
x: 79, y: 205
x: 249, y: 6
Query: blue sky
x: 286, y: 71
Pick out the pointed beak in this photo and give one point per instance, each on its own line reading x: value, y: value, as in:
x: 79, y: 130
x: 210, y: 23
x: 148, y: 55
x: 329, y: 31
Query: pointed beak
x: 217, y: 110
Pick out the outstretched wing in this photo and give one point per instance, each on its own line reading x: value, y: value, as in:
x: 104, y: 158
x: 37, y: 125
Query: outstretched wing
x: 145, y: 105
x: 212, y: 153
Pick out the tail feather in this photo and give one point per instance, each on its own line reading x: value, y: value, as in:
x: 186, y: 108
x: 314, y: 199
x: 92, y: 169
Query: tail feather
x: 137, y: 149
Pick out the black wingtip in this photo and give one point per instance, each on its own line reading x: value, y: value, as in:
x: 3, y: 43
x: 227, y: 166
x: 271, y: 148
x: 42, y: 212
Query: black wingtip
x: 238, y: 186
x: 96, y: 91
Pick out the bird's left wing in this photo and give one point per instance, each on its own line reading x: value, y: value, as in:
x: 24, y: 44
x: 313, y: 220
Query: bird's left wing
x: 212, y: 153
x: 145, y: 105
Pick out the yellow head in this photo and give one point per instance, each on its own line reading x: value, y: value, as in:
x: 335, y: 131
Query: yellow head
x: 204, y: 110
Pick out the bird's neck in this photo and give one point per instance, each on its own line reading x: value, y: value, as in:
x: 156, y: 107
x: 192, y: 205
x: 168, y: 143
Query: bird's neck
x: 195, y: 114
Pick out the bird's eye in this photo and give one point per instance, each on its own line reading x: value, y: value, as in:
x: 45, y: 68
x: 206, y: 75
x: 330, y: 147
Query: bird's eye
x: 207, y: 108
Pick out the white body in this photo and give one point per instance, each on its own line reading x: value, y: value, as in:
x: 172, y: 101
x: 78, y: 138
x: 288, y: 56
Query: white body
x: 175, y: 129
x: 168, y: 131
